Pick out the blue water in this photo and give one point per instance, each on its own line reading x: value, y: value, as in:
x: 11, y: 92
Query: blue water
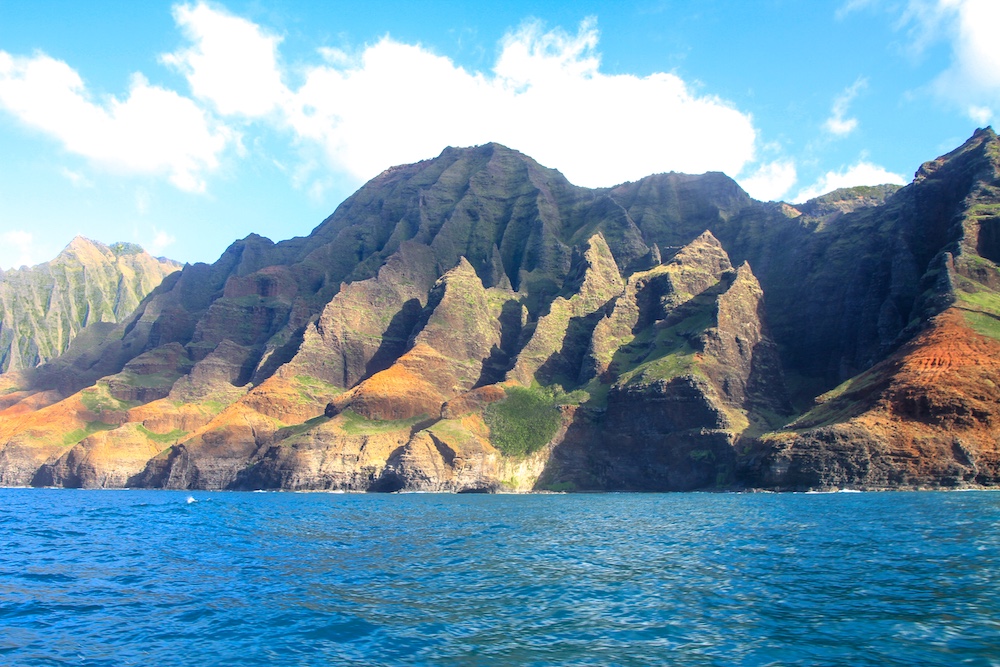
x: 169, y: 578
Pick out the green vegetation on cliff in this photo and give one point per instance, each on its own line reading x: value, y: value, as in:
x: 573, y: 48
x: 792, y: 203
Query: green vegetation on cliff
x: 523, y: 422
x: 44, y: 307
x: 650, y: 327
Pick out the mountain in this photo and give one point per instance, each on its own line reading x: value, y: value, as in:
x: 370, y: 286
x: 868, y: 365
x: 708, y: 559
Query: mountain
x: 42, y: 308
x: 475, y: 322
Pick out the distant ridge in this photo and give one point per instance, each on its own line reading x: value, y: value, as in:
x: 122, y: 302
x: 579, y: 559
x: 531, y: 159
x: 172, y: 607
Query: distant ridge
x: 475, y: 322
x: 44, y: 307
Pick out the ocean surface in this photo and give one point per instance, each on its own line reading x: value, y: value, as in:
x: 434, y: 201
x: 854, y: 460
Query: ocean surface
x: 199, y: 578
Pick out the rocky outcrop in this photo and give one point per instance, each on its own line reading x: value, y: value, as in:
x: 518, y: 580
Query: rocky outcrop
x: 559, y: 339
x: 107, y: 459
x: 688, y: 367
x: 476, y: 323
x: 365, y: 327
x: 449, y: 354
x: 44, y: 307
x: 926, y: 417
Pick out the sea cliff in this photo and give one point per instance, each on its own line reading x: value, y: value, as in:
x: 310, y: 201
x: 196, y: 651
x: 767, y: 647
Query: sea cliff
x: 475, y: 322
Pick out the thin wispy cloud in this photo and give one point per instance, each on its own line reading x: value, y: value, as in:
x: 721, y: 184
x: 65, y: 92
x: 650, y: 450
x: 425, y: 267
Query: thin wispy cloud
x: 78, y: 179
x: 18, y: 248
x: 159, y: 242
x: 839, y: 124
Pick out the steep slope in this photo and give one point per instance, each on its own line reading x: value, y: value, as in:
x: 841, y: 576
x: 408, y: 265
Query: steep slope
x: 682, y: 368
x: 476, y: 322
x: 44, y: 307
x: 558, y: 340
x: 924, y: 417
x: 927, y: 417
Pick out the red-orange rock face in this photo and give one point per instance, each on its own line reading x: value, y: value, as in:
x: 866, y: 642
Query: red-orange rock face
x: 476, y: 323
x: 927, y: 417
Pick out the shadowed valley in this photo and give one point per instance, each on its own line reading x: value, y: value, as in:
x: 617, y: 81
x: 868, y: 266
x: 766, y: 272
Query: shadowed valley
x: 475, y: 322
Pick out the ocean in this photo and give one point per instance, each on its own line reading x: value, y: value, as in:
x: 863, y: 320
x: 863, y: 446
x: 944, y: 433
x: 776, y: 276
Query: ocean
x: 217, y: 578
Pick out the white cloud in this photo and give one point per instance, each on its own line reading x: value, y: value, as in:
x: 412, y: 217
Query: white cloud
x: 17, y: 248
x: 158, y: 242
x: 861, y: 173
x: 838, y: 124
x: 151, y: 131
x: 974, y: 75
x: 771, y: 181
x: 76, y: 178
x: 391, y: 103
x: 853, y: 6
x: 981, y: 115
x: 232, y: 62
x: 971, y: 82
x: 353, y: 113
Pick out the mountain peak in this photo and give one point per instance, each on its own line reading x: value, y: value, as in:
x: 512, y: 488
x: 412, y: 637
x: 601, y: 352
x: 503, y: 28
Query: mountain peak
x: 88, y: 282
x: 80, y: 242
x: 979, y: 150
x: 480, y: 278
x: 704, y: 252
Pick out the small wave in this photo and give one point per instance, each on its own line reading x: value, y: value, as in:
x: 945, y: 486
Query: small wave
x: 190, y: 499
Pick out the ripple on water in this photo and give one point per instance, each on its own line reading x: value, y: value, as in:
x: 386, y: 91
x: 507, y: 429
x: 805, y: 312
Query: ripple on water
x: 146, y: 577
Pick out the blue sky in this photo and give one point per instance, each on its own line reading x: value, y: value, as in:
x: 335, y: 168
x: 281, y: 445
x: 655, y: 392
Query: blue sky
x: 185, y: 126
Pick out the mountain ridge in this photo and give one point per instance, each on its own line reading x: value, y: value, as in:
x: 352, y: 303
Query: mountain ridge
x: 654, y: 335
x: 43, y: 307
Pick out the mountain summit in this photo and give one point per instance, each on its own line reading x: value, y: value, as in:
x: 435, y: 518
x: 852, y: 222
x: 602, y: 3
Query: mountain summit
x: 42, y: 308
x: 475, y: 322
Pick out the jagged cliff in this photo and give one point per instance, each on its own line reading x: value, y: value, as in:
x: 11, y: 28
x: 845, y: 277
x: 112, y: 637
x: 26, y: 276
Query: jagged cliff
x: 42, y: 308
x: 476, y: 323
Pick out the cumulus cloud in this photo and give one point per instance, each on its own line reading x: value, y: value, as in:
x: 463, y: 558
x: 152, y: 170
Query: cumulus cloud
x: 17, y: 248
x: 350, y: 114
x: 231, y: 62
x: 982, y: 115
x: 770, y: 182
x: 861, y: 173
x: 392, y: 102
x: 838, y: 123
x: 151, y: 131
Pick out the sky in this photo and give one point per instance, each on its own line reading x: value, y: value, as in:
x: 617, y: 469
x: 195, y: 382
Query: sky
x: 185, y: 126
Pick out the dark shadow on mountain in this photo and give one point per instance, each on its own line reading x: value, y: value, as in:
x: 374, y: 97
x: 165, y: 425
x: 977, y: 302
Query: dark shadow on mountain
x: 395, y: 338
x: 502, y: 358
x: 564, y: 366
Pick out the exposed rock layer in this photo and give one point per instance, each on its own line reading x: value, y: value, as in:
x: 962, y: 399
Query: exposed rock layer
x: 477, y: 323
